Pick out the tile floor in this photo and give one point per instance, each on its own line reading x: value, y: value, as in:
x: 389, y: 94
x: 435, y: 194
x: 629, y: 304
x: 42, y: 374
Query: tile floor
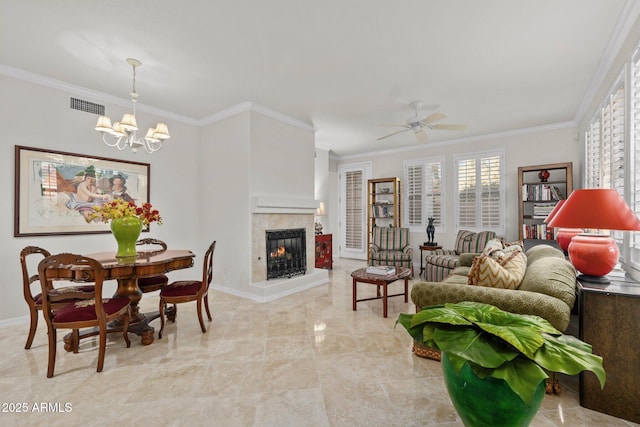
x: 304, y: 360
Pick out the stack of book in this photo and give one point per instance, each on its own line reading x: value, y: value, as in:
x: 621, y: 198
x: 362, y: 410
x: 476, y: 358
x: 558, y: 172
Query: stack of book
x: 382, y: 270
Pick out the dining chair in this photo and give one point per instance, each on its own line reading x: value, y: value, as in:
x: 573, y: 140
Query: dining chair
x: 153, y: 283
x: 30, y: 256
x: 190, y: 290
x: 95, y: 312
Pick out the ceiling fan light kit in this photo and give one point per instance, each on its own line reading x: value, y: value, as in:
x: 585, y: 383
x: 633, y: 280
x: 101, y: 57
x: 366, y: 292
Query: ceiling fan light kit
x: 418, y: 124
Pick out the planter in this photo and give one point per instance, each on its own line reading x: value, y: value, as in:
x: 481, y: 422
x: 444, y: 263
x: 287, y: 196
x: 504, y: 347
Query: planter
x: 126, y: 231
x: 488, y: 401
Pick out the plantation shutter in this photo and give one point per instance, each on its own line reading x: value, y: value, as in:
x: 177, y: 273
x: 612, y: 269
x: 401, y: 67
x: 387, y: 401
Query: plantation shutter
x: 467, y: 207
x: 414, y: 178
x: 480, y: 193
x: 433, y: 192
x: 423, y: 193
x: 593, y: 142
x: 635, y: 152
x: 354, y: 224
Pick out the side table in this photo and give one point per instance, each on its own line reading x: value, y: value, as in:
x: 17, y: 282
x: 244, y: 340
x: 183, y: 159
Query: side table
x: 609, y: 319
x: 425, y: 248
x: 362, y: 276
x: 324, y: 252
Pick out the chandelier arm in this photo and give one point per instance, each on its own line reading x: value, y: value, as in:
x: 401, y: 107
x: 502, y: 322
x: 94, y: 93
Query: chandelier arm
x: 116, y: 142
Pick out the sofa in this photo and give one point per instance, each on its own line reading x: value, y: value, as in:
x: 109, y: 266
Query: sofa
x: 440, y: 263
x: 547, y: 289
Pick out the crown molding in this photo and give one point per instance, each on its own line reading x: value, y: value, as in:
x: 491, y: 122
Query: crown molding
x: 38, y: 79
x: 256, y: 108
x: 625, y: 23
x: 503, y: 134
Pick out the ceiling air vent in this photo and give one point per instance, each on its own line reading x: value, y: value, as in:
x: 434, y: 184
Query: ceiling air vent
x: 86, y: 106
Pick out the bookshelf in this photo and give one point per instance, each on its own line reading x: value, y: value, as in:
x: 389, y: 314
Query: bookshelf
x: 540, y: 187
x: 383, y: 205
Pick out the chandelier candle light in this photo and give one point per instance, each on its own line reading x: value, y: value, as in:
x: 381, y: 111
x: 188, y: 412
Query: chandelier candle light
x: 595, y: 255
x: 123, y: 133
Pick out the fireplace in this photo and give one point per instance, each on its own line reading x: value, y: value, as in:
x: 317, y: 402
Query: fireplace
x: 286, y: 252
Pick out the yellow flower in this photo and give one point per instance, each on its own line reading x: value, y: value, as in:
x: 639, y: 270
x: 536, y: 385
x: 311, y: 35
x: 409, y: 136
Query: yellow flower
x: 120, y: 208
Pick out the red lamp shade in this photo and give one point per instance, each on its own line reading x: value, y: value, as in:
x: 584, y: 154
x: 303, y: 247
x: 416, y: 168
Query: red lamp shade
x: 563, y: 235
x: 597, y: 208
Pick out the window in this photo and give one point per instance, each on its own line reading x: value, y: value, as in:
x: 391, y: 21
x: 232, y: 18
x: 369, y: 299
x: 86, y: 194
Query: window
x: 423, y: 193
x: 605, y: 145
x: 479, y: 203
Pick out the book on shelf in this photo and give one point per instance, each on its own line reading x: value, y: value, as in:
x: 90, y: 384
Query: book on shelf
x: 382, y: 270
x: 540, y: 192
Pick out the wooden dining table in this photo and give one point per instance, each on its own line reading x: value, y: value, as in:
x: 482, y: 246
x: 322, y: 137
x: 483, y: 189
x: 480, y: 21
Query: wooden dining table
x: 127, y: 271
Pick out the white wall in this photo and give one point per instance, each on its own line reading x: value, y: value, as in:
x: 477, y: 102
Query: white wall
x: 540, y: 146
x: 38, y: 116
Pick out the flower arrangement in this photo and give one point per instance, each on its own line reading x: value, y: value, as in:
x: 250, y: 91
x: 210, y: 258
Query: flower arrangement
x: 120, y: 208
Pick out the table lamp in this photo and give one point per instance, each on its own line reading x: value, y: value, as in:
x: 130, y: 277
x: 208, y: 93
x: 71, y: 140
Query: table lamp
x: 563, y: 235
x: 320, y: 211
x: 595, y: 255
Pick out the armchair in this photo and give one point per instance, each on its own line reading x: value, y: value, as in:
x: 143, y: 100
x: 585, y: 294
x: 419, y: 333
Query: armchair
x: 390, y: 246
x: 441, y: 262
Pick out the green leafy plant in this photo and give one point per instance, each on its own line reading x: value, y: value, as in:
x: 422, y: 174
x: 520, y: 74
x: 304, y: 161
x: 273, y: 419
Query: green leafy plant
x: 520, y: 349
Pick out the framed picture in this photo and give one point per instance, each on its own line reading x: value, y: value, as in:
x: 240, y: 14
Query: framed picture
x: 55, y: 191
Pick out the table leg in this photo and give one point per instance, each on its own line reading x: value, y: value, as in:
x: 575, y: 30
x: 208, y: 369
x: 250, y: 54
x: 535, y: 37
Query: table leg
x: 384, y: 300
x: 421, y: 264
x: 354, y: 294
x: 406, y: 289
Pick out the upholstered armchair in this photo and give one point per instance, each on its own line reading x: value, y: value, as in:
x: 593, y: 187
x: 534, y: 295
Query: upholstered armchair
x: 441, y: 262
x: 390, y: 246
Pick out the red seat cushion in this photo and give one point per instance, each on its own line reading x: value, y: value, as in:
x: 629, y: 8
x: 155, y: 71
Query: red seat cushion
x: 85, y: 310
x: 181, y: 288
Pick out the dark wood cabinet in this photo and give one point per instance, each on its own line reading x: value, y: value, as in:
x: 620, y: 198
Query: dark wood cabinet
x: 324, y: 252
x: 609, y: 319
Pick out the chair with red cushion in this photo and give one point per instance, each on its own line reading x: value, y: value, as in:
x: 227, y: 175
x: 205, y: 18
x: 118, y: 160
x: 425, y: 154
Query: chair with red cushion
x: 95, y: 312
x: 29, y: 259
x: 153, y: 283
x: 190, y: 290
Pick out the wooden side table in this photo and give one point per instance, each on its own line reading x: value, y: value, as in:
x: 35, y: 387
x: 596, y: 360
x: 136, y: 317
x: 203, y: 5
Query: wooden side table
x: 609, y: 319
x: 425, y: 248
x: 379, y: 280
x: 324, y: 252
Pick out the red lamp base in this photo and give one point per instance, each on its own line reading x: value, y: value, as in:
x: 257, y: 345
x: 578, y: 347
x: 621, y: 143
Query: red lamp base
x: 564, y: 236
x: 593, y: 255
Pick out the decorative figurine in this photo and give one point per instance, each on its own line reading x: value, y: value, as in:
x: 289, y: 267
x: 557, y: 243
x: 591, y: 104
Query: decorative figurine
x: 543, y: 175
x: 431, y: 230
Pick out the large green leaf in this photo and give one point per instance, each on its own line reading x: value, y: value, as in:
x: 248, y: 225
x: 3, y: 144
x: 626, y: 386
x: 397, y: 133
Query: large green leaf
x: 570, y: 356
x: 473, y: 345
x: 522, y: 375
x: 439, y: 314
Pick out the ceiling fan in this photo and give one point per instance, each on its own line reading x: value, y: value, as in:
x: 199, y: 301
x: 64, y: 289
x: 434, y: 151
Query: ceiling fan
x: 418, y: 125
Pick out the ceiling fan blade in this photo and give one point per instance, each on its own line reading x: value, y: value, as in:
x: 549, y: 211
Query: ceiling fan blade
x: 391, y: 134
x: 421, y: 135
x: 434, y: 117
x: 392, y: 124
x: 450, y: 127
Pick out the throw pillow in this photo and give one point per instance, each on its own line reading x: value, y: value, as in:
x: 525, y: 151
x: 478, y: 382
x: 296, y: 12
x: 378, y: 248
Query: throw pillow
x: 505, y: 272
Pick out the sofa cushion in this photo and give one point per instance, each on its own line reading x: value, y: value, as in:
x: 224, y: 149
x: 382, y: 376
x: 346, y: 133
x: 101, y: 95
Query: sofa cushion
x: 543, y: 251
x: 468, y: 241
x: 551, y: 276
x: 504, y: 272
x: 447, y: 261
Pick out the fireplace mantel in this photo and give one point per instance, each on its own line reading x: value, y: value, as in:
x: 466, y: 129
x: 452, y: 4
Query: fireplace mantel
x: 286, y: 205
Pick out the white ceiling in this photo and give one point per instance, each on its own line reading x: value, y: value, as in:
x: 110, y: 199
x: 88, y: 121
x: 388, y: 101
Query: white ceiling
x: 342, y: 66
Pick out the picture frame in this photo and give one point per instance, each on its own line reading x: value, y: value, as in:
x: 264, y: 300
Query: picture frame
x: 55, y: 191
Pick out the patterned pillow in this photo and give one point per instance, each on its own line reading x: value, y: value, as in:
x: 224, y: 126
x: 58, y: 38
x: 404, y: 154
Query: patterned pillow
x: 505, y: 271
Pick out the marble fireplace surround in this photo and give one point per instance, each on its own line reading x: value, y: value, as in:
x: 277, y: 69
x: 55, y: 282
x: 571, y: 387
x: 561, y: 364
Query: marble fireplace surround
x: 277, y: 213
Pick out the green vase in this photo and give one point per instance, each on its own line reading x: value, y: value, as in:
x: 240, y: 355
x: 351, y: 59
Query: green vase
x: 126, y: 230
x: 488, y: 401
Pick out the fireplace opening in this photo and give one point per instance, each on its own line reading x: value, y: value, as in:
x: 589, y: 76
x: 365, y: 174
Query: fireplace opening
x: 286, y: 253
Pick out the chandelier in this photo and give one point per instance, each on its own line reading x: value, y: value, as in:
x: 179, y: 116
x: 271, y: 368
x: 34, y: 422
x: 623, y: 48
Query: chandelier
x: 123, y: 133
